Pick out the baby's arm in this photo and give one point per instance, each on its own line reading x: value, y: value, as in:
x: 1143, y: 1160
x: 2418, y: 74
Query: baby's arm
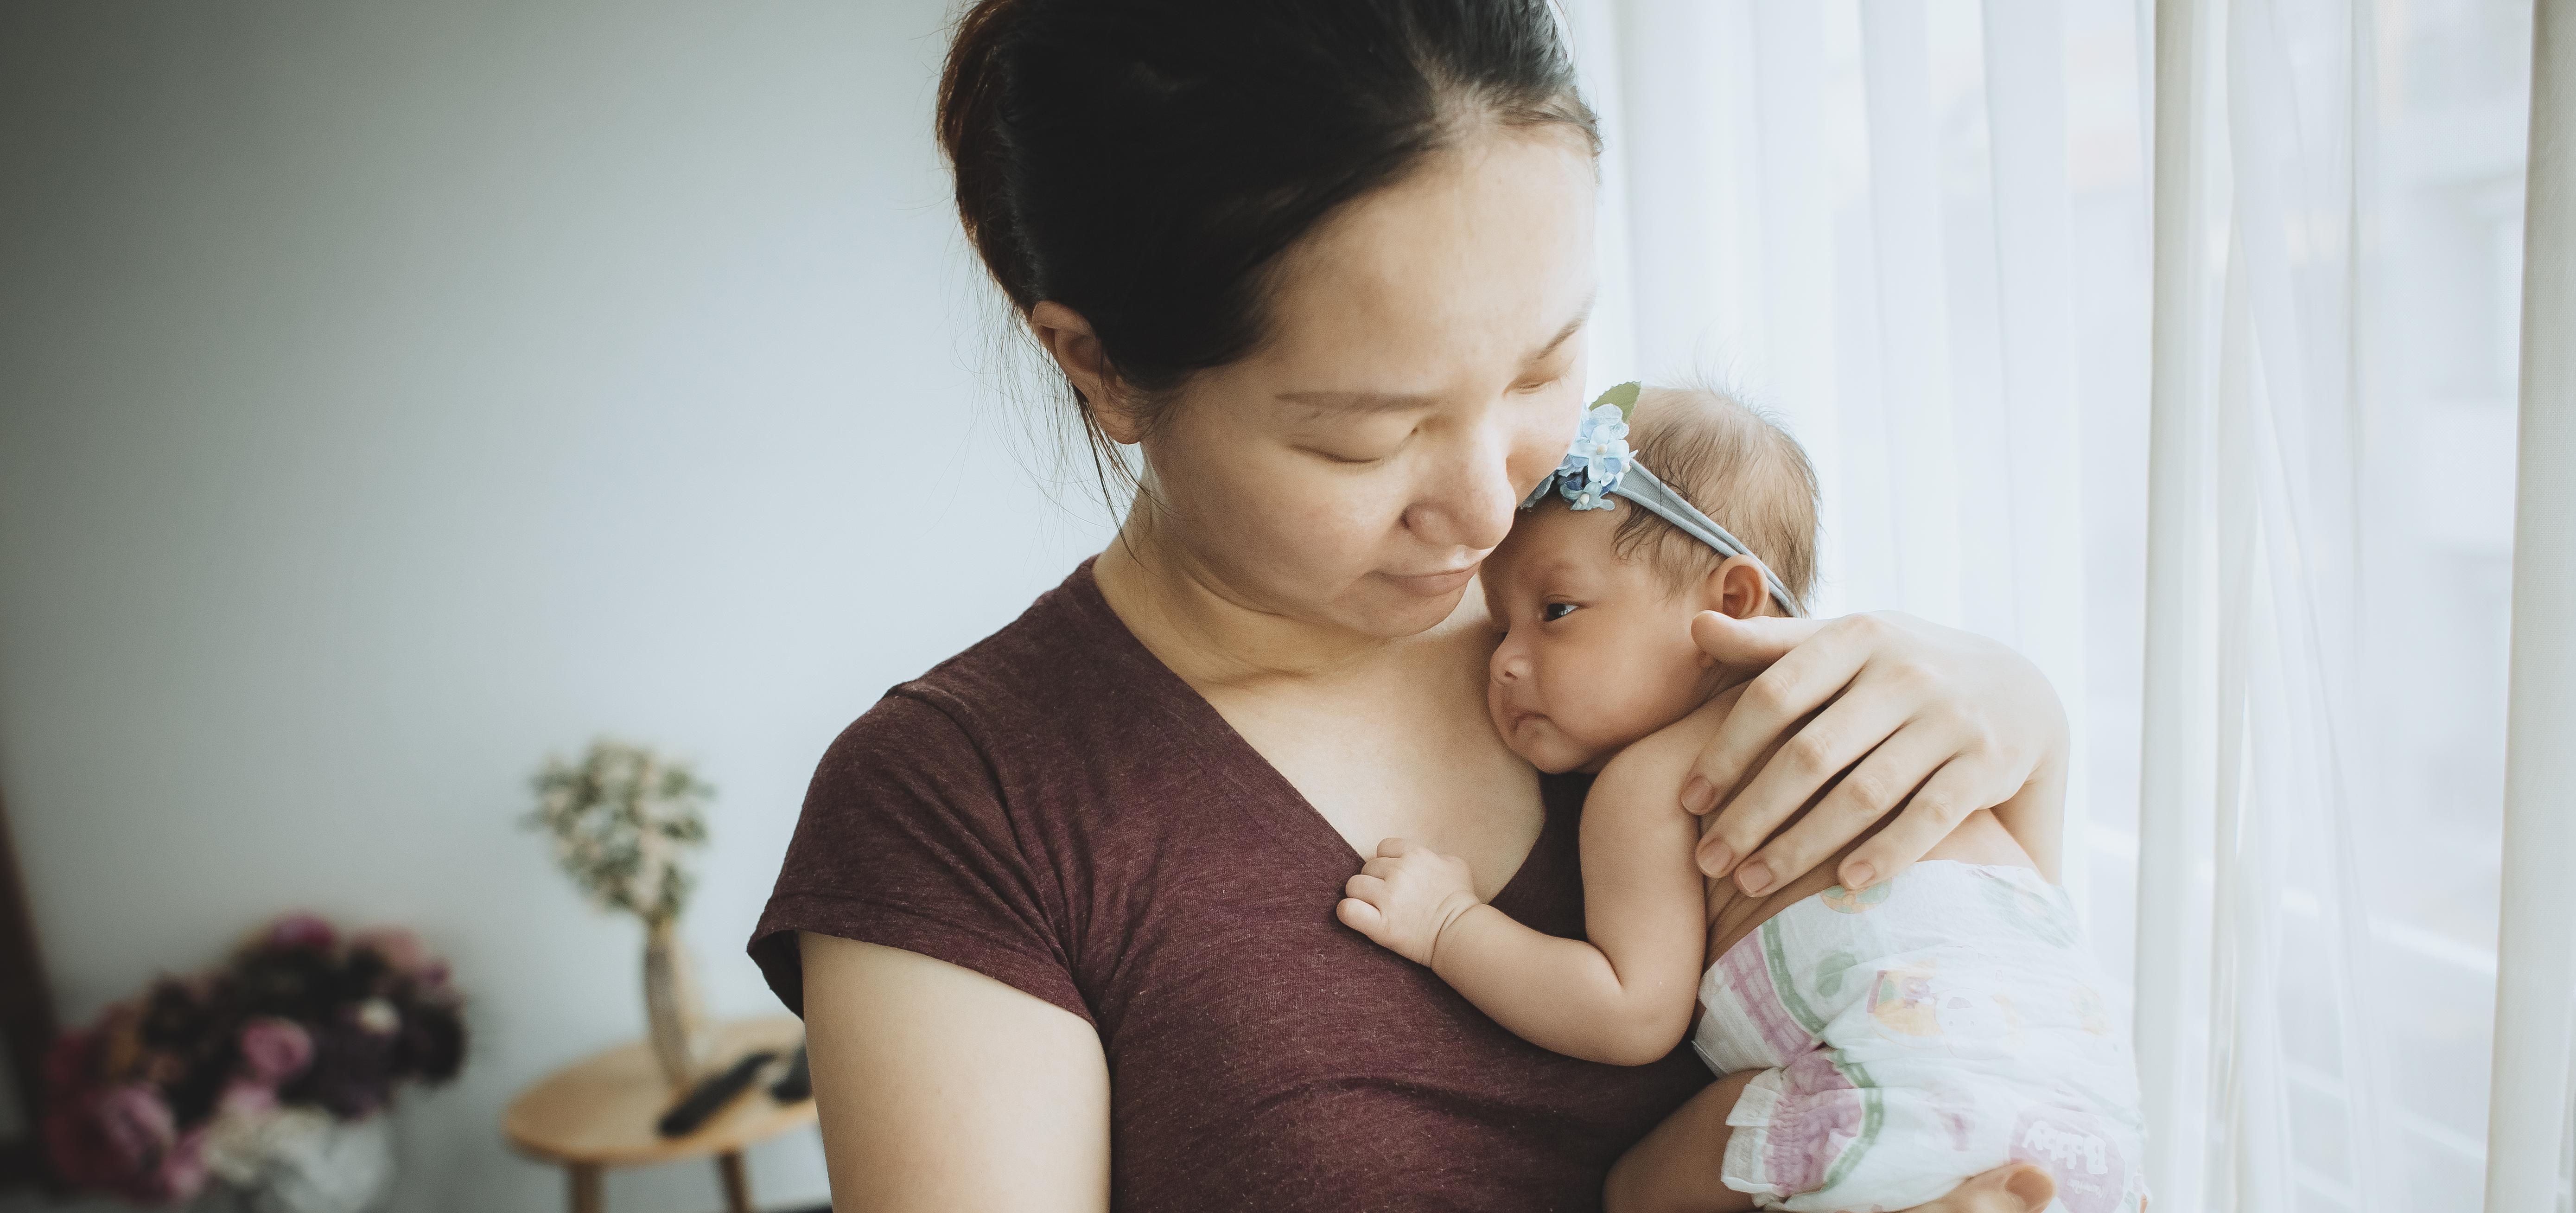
x: 1625, y: 997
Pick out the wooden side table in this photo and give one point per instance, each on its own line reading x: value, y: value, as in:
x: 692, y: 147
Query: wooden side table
x: 598, y: 1113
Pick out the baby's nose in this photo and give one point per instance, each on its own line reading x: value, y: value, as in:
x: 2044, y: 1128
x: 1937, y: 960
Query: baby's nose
x: 1510, y: 664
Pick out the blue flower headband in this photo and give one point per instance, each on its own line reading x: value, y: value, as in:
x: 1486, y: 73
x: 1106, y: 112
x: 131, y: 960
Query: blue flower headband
x: 1598, y: 467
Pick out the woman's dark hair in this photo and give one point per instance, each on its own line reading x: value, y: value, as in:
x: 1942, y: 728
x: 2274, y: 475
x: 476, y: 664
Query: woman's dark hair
x: 1144, y: 161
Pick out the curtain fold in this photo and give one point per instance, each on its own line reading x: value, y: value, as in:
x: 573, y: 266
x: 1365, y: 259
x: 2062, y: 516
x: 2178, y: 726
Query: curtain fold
x: 2529, y: 1146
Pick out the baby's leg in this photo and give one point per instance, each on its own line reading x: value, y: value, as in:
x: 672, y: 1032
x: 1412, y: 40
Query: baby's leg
x: 1681, y: 1166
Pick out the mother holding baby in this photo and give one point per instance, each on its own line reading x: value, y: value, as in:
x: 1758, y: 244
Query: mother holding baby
x: 1060, y: 914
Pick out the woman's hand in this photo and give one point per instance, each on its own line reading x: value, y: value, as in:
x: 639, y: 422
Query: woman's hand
x: 1933, y: 720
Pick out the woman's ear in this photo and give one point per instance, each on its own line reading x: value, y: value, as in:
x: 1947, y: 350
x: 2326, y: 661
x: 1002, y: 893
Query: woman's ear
x: 1736, y: 590
x: 1076, y: 349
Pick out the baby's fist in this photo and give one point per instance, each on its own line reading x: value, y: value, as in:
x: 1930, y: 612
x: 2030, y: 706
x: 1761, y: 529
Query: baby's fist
x: 1406, y: 896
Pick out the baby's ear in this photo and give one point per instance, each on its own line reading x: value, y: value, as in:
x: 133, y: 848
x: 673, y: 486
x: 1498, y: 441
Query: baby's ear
x: 1736, y: 589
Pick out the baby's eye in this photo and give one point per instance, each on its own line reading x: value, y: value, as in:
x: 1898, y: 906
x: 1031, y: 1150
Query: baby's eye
x: 1555, y: 611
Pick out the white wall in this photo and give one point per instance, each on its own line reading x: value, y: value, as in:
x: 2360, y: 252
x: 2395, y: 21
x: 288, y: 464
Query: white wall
x: 393, y: 394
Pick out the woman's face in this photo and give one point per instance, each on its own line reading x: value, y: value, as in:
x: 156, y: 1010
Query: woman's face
x: 1423, y: 370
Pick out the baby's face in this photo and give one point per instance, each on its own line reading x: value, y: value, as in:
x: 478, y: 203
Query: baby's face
x: 1596, y: 651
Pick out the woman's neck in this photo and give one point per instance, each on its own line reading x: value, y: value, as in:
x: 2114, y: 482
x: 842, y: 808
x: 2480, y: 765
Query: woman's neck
x: 1215, y: 637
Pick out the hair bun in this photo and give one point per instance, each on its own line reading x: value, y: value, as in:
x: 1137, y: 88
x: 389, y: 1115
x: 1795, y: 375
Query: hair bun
x: 973, y: 88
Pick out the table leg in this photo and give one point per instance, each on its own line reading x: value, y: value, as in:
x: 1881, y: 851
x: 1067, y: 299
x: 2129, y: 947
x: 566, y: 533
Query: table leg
x: 585, y: 1187
x: 737, y: 1184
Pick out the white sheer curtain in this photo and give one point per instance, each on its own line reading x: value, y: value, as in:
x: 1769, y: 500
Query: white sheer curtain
x: 1920, y: 231
x: 2254, y: 1022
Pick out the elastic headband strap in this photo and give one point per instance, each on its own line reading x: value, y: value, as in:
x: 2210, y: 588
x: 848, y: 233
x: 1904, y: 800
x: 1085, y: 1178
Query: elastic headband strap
x: 1637, y: 484
x: 1599, y: 466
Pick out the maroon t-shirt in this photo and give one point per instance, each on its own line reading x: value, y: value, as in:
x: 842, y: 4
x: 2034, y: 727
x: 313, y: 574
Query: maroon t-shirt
x: 1058, y: 810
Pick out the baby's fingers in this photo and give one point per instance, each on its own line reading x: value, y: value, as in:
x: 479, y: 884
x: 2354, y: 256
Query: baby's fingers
x: 1360, y: 916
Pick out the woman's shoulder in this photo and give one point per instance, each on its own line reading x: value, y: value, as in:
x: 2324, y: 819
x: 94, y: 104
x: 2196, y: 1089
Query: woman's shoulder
x: 1060, y: 689
x: 1063, y: 654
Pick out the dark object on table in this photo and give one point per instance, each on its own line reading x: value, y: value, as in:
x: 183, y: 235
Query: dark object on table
x: 797, y: 1084
x: 597, y: 1114
x: 711, y: 1095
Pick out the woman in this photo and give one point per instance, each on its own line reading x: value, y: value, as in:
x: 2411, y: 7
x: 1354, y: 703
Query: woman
x: 1060, y: 913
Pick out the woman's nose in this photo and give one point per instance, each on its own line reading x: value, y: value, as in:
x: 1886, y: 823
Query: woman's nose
x: 1470, y: 501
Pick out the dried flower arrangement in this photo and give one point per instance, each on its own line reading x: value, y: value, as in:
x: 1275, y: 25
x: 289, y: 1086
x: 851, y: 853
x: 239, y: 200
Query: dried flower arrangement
x: 622, y: 820
x: 216, y: 1074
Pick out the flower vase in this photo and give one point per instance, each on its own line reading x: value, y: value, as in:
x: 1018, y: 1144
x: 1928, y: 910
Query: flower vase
x: 299, y: 1160
x: 674, y: 1014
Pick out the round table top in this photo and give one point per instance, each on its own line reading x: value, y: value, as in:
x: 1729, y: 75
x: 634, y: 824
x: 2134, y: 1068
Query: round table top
x: 600, y: 1110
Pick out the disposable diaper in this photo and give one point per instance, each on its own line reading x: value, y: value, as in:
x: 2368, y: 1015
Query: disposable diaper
x: 1921, y: 1031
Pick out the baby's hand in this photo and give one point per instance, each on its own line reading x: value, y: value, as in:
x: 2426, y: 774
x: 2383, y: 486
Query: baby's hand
x: 1406, y: 896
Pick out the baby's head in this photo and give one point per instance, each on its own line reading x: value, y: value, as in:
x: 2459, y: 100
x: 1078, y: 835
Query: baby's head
x: 1595, y: 605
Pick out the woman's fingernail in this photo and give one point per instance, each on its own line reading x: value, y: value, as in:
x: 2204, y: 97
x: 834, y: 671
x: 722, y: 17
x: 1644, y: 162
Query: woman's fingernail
x: 1697, y: 795
x: 1716, y: 859
x: 1753, y: 878
x: 1858, y: 876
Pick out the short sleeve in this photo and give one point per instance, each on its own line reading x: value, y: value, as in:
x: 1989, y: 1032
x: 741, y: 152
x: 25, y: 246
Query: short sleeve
x: 905, y: 841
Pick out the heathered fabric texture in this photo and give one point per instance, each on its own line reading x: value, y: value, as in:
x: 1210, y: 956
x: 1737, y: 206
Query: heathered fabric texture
x: 1058, y: 810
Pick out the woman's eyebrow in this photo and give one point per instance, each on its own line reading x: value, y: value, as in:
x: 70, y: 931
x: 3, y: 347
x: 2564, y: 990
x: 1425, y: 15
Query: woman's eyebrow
x: 1564, y: 334
x: 1323, y: 402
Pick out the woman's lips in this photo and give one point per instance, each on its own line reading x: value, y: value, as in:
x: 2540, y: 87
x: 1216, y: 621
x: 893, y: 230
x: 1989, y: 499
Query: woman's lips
x: 1433, y: 585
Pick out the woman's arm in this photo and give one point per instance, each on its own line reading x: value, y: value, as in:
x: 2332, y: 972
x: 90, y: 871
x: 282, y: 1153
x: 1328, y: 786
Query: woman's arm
x: 1931, y: 720
x: 1623, y: 998
x: 943, y: 1089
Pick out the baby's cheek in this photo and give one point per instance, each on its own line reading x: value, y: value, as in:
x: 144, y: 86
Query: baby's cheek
x: 1597, y: 716
x: 1626, y: 700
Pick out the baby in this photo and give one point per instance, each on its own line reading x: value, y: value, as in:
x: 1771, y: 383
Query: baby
x: 1901, y: 1038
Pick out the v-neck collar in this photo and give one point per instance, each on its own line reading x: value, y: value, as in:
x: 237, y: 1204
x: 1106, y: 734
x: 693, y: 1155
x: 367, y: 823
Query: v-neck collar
x: 1284, y: 810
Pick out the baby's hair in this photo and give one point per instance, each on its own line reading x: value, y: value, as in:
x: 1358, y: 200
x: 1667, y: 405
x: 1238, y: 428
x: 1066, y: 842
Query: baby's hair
x: 1740, y: 468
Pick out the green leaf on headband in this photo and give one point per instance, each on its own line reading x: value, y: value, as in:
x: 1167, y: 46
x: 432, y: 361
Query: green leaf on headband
x: 1622, y: 397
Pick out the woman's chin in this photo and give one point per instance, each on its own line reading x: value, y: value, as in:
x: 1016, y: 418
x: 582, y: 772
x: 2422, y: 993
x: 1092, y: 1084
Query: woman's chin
x: 1393, y: 613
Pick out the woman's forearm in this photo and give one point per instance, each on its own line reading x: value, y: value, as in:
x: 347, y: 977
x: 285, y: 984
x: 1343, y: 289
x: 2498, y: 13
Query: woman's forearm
x: 1563, y: 995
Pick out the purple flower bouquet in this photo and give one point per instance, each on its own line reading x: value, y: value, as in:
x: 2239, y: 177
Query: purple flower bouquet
x: 205, y: 1075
